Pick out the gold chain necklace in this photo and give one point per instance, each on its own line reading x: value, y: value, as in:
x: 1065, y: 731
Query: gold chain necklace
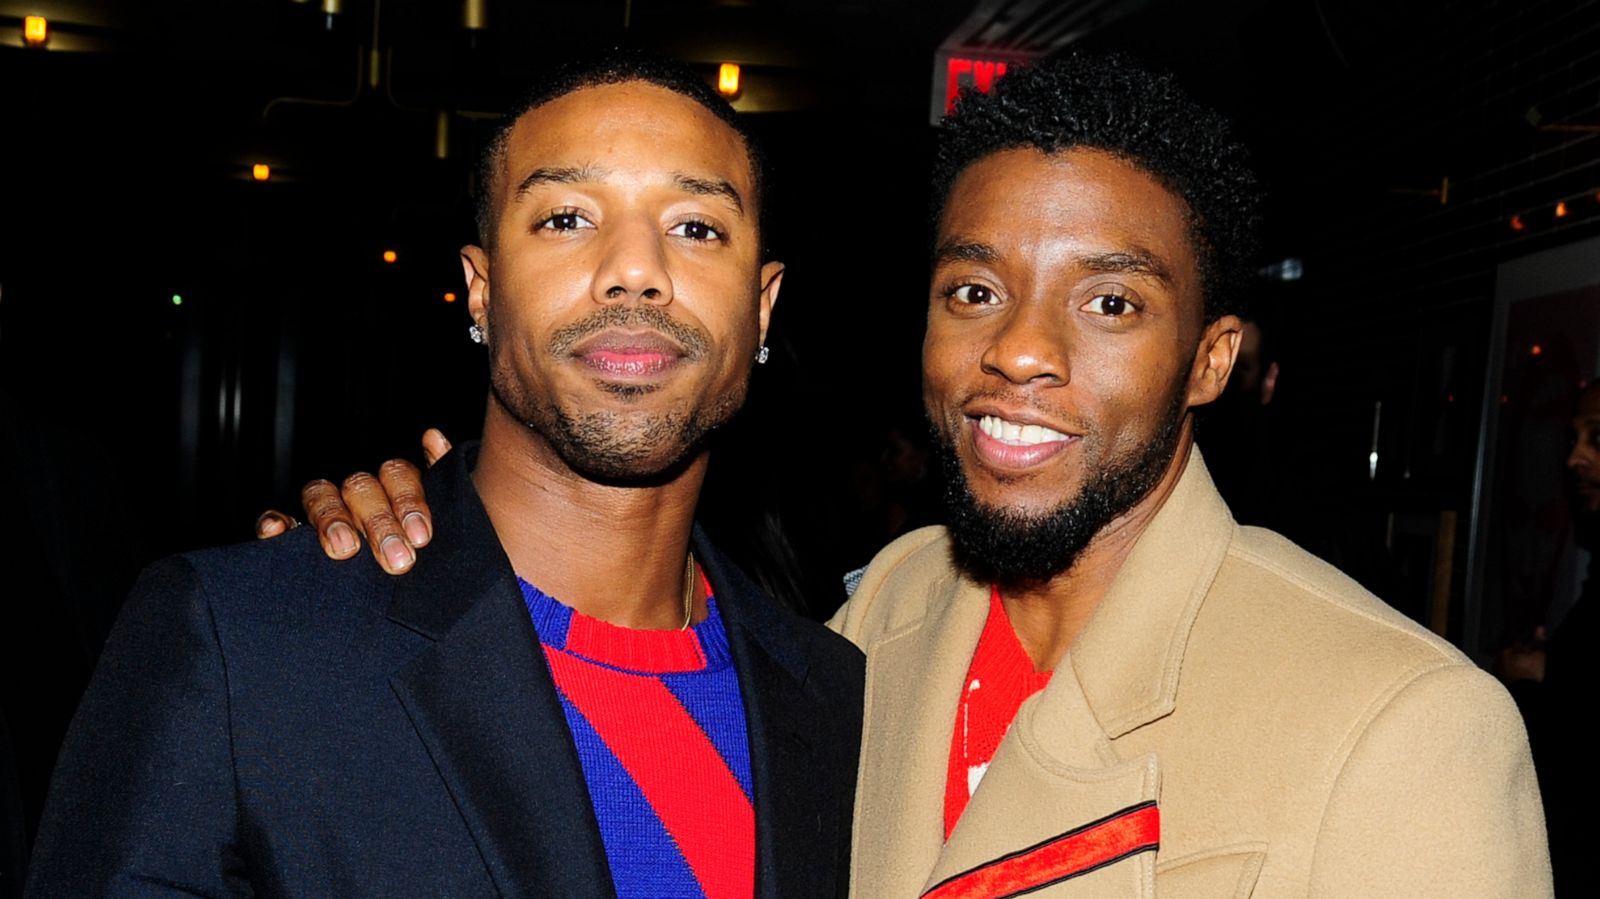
x: 688, y: 591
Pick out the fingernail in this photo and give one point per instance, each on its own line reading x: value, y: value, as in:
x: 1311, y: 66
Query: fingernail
x: 416, y: 529
x: 342, y: 538
x: 398, y: 554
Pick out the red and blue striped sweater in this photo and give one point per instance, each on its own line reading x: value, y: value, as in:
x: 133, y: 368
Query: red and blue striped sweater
x: 659, y: 725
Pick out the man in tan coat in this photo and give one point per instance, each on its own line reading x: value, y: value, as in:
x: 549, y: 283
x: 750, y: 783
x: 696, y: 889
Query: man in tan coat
x: 1224, y: 715
x: 1095, y: 683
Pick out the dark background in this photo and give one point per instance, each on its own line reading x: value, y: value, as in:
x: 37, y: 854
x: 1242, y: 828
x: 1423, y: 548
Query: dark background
x: 134, y: 427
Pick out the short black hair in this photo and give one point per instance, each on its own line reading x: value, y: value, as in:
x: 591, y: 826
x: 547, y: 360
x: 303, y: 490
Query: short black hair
x: 616, y: 66
x: 1111, y: 104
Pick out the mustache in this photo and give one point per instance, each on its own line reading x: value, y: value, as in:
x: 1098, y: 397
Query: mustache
x: 694, y: 342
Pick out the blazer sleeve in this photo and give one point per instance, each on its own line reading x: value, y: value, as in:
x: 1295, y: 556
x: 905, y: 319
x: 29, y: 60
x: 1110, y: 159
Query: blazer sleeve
x: 1436, y: 797
x: 142, y: 802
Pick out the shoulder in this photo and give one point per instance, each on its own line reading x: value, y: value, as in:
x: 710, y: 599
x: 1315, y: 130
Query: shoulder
x: 1267, y: 578
x: 1282, y: 629
x: 898, y: 585
x: 256, y: 592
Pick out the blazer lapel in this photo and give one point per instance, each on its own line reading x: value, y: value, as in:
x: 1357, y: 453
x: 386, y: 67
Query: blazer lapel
x: 1059, y: 805
x: 1056, y: 808
x: 772, y: 668
x: 914, y: 678
x: 482, y: 701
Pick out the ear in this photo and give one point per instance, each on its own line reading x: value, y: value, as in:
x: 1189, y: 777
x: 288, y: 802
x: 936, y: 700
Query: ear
x: 475, y: 266
x: 1213, y: 360
x: 771, y: 280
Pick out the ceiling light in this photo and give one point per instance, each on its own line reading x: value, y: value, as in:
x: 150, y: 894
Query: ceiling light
x: 35, y: 30
x: 261, y: 171
x: 728, y: 79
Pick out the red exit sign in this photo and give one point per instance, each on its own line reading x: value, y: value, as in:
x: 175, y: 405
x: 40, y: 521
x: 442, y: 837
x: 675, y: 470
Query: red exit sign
x: 953, y: 71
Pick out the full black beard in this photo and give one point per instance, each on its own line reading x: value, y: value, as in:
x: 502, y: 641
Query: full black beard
x: 1007, y: 547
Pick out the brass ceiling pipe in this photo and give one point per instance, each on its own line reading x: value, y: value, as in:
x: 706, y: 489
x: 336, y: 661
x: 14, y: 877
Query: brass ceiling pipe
x: 441, y: 135
x: 475, y: 15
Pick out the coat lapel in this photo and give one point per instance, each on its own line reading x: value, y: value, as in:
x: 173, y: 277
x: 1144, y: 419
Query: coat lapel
x: 482, y: 701
x: 1059, y: 806
x: 772, y: 669
x: 914, y: 677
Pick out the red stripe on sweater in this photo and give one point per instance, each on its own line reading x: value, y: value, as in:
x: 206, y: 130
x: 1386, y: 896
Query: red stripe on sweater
x: 676, y: 767
x: 1073, y: 853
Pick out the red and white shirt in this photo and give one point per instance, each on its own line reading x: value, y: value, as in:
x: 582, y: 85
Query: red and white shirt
x: 999, y: 680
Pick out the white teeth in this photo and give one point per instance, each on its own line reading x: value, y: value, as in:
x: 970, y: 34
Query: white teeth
x: 1018, y: 435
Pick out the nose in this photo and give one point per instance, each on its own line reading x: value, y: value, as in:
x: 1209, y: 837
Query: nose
x: 1029, y: 346
x: 632, y: 266
x: 1583, y: 456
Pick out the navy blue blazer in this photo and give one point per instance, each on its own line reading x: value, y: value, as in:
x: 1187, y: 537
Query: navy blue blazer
x: 265, y: 720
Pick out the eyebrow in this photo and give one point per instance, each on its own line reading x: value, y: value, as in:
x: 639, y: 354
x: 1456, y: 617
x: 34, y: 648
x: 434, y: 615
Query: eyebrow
x: 966, y: 251
x: 558, y: 175
x: 710, y: 187
x: 703, y: 187
x: 1135, y: 261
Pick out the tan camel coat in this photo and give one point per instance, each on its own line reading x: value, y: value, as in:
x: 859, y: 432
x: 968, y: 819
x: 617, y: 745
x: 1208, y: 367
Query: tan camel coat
x: 1298, y: 736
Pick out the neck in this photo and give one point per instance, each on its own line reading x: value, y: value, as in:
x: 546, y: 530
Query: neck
x: 1048, y: 617
x: 613, y: 552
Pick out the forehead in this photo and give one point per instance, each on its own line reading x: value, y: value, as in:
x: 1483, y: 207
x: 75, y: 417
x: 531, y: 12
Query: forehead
x: 1588, y: 405
x: 1041, y: 206
x: 634, y: 126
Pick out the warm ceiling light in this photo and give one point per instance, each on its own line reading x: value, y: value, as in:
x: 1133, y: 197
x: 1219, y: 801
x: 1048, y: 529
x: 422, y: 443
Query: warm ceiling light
x: 1516, y: 223
x: 390, y: 256
x: 1561, y: 209
x: 261, y: 171
x: 475, y: 15
x: 1536, y: 350
x: 35, y: 30
x: 449, y: 297
x: 728, y: 79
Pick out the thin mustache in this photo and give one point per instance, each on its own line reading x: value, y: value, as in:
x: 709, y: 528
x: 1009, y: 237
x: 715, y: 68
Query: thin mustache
x: 693, y: 341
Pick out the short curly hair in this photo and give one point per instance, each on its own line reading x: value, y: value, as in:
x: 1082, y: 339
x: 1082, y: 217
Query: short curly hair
x: 1111, y: 104
x: 615, y: 66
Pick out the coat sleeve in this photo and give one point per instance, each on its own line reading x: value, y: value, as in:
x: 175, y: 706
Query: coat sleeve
x: 142, y: 802
x: 1436, y: 797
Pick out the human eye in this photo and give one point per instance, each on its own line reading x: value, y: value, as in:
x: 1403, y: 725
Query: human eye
x: 973, y: 295
x: 696, y: 229
x: 563, y: 220
x: 1110, y: 304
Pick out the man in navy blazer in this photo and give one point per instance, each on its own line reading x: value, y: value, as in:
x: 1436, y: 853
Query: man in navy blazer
x: 265, y: 720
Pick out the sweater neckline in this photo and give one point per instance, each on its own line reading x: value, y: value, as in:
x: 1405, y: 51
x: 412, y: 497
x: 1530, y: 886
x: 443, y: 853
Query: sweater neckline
x: 700, y: 647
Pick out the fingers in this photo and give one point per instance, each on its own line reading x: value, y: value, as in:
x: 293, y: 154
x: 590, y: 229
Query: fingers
x: 272, y: 523
x: 403, y: 484
x: 434, y: 445
x: 369, y: 504
x: 326, y: 511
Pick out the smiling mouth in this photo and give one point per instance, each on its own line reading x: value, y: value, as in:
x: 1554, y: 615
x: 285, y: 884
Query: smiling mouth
x: 1006, y: 445
x: 1014, y: 434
